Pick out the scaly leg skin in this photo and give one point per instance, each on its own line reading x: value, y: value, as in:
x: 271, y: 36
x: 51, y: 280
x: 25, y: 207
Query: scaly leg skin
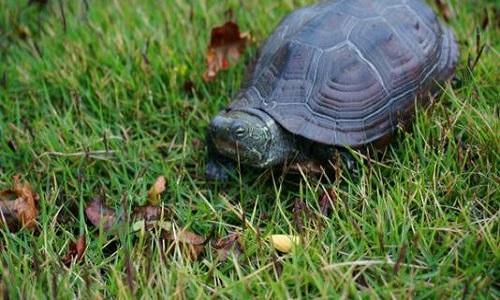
x: 218, y: 167
x: 349, y: 161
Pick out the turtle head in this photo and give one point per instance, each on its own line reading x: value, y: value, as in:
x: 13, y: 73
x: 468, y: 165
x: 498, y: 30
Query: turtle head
x: 251, y: 137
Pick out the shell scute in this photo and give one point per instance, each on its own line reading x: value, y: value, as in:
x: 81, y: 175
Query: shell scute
x: 388, y: 53
x: 325, y: 32
x: 346, y: 88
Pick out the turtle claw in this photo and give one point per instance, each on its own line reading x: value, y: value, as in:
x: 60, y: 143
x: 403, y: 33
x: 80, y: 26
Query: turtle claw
x: 349, y: 161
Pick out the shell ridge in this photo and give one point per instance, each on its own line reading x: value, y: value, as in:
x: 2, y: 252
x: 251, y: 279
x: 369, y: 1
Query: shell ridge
x: 352, y: 25
x: 382, y: 13
x: 316, y: 60
x: 369, y: 63
x: 336, y: 47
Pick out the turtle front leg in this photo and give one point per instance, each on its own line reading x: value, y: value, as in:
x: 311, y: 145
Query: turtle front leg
x: 327, y: 154
x: 218, y: 167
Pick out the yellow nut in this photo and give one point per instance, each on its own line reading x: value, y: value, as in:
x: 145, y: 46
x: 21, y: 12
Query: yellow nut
x: 284, y: 243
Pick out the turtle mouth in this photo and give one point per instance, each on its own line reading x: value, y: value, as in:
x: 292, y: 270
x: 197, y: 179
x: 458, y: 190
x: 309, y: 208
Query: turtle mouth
x: 235, y: 150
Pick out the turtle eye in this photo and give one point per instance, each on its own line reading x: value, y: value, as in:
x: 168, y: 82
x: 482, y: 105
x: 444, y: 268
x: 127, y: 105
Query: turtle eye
x: 240, y: 131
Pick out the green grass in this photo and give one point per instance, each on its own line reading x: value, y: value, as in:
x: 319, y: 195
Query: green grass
x: 432, y: 203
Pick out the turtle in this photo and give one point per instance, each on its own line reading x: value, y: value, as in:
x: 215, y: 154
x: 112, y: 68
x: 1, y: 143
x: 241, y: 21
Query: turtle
x: 333, y: 76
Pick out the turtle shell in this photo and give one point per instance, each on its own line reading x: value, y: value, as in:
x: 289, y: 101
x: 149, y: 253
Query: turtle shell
x: 348, y: 72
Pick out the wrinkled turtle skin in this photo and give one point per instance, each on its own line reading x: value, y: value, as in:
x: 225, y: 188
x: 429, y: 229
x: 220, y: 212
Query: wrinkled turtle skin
x: 335, y: 75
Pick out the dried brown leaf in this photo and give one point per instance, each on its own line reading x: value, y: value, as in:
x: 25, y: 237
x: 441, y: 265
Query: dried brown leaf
x: 149, y: 213
x: 76, y: 250
x: 101, y: 215
x: 18, y: 206
x: 444, y: 9
x: 228, y: 244
x: 190, y: 243
x: 147, y: 216
x: 299, y: 210
x: 227, y: 44
x: 156, y: 190
x: 326, y: 202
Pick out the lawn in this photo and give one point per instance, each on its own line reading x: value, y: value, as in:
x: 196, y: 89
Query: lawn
x: 93, y: 103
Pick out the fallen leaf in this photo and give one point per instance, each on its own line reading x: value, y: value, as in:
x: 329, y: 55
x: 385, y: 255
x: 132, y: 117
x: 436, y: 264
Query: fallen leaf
x: 299, y: 210
x: 18, y: 206
x: 155, y: 191
x: 444, y: 9
x: 149, y: 217
x: 76, y: 250
x: 101, y: 215
x: 190, y: 243
x: 326, y: 202
x: 225, y: 48
x: 284, y: 243
x: 142, y: 225
x: 149, y: 213
x: 228, y: 244
x: 143, y: 217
